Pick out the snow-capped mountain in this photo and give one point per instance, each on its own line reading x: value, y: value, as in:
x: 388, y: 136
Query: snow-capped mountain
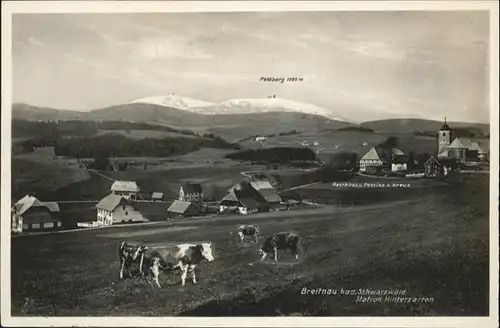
x: 175, y: 101
x: 239, y: 106
x: 263, y: 105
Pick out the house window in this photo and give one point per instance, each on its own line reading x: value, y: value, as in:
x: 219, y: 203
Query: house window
x: 123, y: 206
x: 48, y: 225
x: 26, y: 226
x: 35, y: 226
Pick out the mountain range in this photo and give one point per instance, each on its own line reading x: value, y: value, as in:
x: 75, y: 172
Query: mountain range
x: 256, y: 116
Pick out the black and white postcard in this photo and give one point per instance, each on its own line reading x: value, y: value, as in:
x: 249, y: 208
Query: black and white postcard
x: 250, y: 163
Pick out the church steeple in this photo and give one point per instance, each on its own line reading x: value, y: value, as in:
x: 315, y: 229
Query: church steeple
x: 444, y: 138
x: 445, y: 126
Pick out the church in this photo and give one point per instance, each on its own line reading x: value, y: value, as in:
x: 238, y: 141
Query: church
x: 462, y: 150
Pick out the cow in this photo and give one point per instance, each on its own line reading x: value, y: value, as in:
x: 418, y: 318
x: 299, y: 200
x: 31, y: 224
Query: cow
x: 280, y: 241
x: 248, y: 230
x: 184, y: 257
x: 128, y: 254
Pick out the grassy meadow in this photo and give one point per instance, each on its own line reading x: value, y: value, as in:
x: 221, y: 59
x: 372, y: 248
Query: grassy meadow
x: 432, y: 244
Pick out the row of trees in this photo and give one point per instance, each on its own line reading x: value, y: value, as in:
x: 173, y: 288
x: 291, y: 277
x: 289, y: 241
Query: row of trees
x: 53, y: 129
x: 120, y: 146
x: 456, y: 133
x: 280, y: 155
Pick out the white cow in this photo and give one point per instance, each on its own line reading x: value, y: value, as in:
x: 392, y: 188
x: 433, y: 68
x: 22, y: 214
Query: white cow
x: 184, y: 257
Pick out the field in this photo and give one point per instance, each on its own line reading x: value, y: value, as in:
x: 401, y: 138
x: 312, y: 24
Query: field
x: 433, y: 244
x: 331, y: 142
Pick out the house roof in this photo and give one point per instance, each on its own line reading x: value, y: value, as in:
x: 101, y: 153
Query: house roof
x: 432, y: 160
x: 28, y: 202
x: 372, y: 154
x: 192, y: 188
x: 270, y: 195
x: 476, y: 146
x: 52, y: 206
x: 396, y: 151
x: 461, y: 143
x: 157, y: 195
x: 125, y: 186
x: 110, y: 202
x: 261, y: 184
x: 179, y: 207
x: 248, y: 198
x: 249, y: 202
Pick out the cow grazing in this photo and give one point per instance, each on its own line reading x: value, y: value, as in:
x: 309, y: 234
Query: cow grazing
x: 128, y: 254
x: 280, y: 241
x: 185, y: 257
x: 248, y: 230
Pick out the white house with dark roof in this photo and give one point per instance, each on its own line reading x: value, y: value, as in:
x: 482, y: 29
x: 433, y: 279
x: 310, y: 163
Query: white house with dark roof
x: 243, y: 202
x: 115, y: 209
x: 30, y: 214
x: 379, y: 158
x: 126, y: 189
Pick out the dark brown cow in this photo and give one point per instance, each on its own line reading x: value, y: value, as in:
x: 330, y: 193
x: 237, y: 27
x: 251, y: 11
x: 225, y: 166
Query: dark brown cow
x: 280, y: 241
x: 185, y: 257
x: 129, y: 253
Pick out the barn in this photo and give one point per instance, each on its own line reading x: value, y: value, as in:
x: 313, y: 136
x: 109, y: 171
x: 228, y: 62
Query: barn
x: 114, y: 209
x: 267, y: 191
x: 182, y: 209
x: 126, y: 189
x: 191, y: 192
x: 30, y: 214
x: 243, y: 202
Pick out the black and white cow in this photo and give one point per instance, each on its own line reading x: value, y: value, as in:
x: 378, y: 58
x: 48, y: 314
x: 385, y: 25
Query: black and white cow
x: 130, y: 253
x: 280, y: 241
x: 184, y: 256
x: 248, y: 230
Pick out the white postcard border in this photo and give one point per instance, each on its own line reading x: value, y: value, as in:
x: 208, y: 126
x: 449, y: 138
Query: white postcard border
x: 8, y: 8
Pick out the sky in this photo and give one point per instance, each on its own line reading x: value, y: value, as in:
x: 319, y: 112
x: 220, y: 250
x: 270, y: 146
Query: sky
x: 390, y: 64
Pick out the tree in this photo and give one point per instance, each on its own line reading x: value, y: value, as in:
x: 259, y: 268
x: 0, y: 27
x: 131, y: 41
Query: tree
x: 390, y: 142
x: 411, y: 160
x: 101, y: 163
x: 344, y: 161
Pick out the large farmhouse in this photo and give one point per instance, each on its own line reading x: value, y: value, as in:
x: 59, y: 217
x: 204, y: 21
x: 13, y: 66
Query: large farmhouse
x: 114, y: 209
x: 380, y: 159
x: 243, y: 202
x: 191, y: 192
x: 267, y: 191
x: 126, y: 189
x: 30, y: 214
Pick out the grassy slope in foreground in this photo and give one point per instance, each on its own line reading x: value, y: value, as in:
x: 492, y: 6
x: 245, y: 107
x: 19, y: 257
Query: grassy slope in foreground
x: 432, y: 246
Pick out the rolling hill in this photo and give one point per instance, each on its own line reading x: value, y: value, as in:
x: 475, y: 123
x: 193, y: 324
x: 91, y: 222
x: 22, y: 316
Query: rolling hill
x: 412, y: 125
x: 231, y: 126
x: 234, y: 119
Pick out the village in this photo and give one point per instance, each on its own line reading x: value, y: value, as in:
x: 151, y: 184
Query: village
x: 257, y: 192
